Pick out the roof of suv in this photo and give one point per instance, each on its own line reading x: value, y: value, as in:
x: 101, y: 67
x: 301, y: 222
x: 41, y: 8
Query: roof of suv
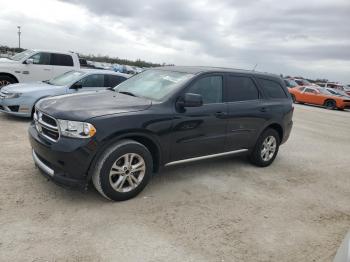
x: 204, y: 69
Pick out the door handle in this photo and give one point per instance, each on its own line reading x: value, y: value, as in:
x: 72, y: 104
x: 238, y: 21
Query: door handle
x: 47, y: 69
x: 220, y: 114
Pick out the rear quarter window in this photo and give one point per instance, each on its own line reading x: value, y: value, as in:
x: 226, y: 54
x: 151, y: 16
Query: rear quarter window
x: 272, y: 89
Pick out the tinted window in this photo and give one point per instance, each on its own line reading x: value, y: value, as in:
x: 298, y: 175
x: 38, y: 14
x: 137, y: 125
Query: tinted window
x: 112, y: 80
x: 210, y: 88
x: 241, y: 88
x: 93, y: 81
x: 41, y: 59
x: 273, y: 89
x: 309, y: 90
x: 61, y: 60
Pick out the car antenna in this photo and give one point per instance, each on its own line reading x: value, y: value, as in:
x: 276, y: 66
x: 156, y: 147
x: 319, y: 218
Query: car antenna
x: 255, y: 67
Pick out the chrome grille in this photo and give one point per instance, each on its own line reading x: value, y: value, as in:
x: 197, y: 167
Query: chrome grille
x: 46, y: 126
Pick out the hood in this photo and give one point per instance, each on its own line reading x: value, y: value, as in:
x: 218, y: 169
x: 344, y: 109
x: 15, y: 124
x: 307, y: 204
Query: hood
x: 4, y: 62
x: 27, y: 87
x: 83, y: 106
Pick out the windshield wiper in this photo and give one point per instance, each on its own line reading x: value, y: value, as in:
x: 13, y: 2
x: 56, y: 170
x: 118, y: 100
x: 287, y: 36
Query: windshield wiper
x: 127, y: 93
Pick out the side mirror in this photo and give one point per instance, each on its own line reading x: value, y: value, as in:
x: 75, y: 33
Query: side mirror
x: 29, y: 61
x: 76, y: 86
x: 190, y: 100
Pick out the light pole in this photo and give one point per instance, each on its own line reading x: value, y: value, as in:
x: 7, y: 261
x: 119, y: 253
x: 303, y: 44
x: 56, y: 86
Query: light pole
x: 19, y: 36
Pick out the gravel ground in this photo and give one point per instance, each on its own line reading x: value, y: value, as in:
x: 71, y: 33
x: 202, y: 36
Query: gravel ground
x: 217, y: 210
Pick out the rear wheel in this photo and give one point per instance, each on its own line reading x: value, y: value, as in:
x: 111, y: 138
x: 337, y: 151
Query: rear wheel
x: 330, y: 104
x: 6, y: 80
x: 266, y: 148
x: 123, y: 170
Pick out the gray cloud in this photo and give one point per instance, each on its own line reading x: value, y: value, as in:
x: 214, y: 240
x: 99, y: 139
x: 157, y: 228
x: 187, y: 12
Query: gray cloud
x: 288, y: 35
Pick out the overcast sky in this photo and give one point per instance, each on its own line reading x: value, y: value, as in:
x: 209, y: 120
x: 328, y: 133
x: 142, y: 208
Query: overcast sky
x: 300, y: 37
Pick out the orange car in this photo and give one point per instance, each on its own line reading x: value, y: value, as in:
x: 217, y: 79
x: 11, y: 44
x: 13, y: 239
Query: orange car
x: 318, y: 96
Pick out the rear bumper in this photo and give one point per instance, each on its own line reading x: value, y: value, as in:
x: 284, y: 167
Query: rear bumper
x: 287, y: 131
x: 66, y: 162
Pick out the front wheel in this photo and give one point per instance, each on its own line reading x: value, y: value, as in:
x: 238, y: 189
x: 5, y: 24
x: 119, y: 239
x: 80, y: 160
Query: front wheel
x: 266, y: 148
x: 6, y: 80
x: 123, y: 170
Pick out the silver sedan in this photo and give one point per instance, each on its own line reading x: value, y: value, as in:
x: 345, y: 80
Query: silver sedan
x: 20, y: 99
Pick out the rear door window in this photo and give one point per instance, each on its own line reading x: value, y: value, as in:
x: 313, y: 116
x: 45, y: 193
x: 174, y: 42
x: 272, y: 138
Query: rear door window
x: 241, y: 88
x: 272, y: 89
x: 61, y: 60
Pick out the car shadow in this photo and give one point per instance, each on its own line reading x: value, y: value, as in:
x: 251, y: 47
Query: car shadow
x: 13, y: 118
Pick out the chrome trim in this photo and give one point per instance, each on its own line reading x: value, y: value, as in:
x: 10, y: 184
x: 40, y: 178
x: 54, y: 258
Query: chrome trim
x: 41, y: 165
x: 205, y: 157
x: 38, y: 121
x: 45, y: 124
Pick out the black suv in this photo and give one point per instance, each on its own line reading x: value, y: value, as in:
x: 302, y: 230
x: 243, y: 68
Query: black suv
x: 117, y: 138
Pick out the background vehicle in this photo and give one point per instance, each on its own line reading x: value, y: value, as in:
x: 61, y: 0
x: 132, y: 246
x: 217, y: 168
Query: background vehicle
x: 19, y: 99
x: 36, y: 65
x: 319, y: 96
x: 290, y: 83
x: 160, y: 117
x: 337, y: 92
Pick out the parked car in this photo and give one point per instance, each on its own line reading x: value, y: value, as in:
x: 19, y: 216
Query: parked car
x: 36, y: 65
x: 290, y: 83
x: 84, y: 63
x: 319, y: 96
x: 337, y: 92
x: 160, y: 117
x: 346, y: 89
x: 19, y: 99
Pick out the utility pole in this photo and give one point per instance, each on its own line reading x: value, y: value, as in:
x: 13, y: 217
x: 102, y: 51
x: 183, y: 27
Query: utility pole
x: 19, y: 36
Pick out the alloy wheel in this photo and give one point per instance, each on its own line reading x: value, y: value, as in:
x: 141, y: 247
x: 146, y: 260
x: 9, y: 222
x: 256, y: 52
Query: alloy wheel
x: 127, y: 172
x: 268, y: 148
x: 4, y: 83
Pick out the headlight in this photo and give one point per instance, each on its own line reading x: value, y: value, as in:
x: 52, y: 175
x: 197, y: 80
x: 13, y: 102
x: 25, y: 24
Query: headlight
x: 76, y: 129
x: 11, y: 95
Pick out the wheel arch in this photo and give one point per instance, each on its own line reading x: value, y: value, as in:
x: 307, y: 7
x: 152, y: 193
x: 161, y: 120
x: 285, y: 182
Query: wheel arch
x: 143, y: 138
x: 276, y: 126
x: 9, y: 75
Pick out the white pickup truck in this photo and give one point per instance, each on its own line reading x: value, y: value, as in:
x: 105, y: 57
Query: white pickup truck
x: 36, y: 65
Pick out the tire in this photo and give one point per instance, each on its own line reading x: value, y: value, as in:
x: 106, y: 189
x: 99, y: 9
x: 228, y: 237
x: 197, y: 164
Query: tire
x: 6, y: 80
x: 330, y: 104
x: 113, y: 177
x: 257, y: 157
x: 293, y: 98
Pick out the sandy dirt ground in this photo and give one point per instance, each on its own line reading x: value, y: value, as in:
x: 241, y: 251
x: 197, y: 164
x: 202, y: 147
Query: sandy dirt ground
x: 298, y: 209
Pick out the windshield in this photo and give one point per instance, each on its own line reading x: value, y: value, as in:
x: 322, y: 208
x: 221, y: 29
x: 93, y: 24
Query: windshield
x: 22, y: 55
x: 153, y: 84
x: 66, y: 78
x: 324, y: 91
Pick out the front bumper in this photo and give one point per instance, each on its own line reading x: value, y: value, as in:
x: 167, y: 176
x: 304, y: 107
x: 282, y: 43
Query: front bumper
x: 66, y: 162
x: 16, y: 107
